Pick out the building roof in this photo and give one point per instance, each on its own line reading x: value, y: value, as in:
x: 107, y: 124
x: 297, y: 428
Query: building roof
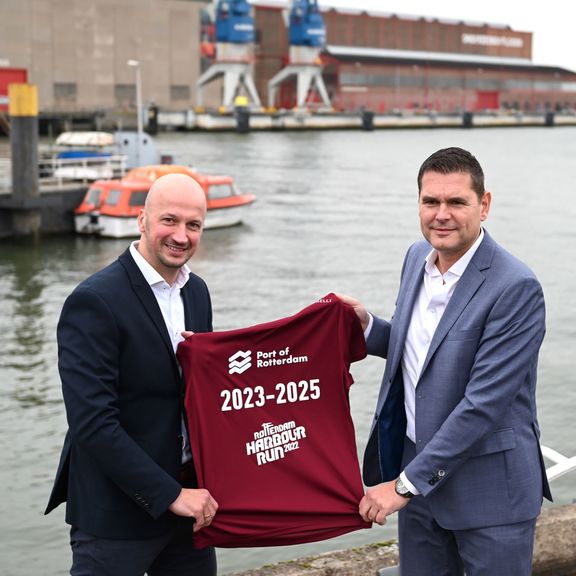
x: 360, y: 53
x: 285, y: 4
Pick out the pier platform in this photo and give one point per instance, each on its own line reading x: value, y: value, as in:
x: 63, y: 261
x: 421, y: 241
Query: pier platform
x: 55, y: 203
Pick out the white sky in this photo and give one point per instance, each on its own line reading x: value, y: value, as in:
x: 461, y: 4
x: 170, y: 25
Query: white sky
x: 552, y: 22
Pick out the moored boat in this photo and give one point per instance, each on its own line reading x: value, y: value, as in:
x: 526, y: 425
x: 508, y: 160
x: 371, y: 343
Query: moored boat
x: 110, y: 207
x: 95, y: 155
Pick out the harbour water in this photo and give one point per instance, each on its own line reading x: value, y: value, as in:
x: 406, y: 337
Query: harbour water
x: 336, y: 211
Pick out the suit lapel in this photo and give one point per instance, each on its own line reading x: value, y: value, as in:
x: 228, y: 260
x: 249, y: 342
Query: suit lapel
x: 467, y: 286
x: 409, y: 290
x: 189, y: 315
x: 146, y: 296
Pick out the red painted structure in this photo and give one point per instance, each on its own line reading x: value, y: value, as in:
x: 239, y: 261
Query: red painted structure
x: 10, y: 76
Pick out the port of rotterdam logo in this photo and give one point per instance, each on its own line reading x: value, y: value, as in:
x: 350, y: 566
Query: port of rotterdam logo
x: 240, y: 361
x: 272, y: 443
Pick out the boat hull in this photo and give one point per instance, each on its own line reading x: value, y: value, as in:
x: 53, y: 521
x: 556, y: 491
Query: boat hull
x: 127, y: 227
x: 87, y: 223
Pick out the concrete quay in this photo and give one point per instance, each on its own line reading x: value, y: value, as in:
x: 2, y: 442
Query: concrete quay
x: 246, y: 120
x: 55, y: 207
x: 554, y: 554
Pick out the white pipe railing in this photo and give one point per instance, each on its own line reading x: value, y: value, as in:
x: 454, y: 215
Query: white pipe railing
x: 562, y: 464
x: 60, y: 172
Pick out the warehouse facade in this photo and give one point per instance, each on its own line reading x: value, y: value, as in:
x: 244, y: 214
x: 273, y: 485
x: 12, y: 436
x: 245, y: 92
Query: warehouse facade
x: 388, y: 62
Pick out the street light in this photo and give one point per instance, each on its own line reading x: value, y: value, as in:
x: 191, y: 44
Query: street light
x: 136, y: 64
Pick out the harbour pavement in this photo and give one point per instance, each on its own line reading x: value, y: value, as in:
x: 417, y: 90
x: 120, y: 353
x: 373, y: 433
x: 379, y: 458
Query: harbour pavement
x: 554, y: 553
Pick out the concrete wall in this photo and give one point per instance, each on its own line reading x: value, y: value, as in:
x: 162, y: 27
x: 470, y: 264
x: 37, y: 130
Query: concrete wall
x: 56, y: 211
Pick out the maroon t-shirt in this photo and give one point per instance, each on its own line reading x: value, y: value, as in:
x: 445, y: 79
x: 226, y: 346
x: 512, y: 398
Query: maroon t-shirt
x: 270, y: 427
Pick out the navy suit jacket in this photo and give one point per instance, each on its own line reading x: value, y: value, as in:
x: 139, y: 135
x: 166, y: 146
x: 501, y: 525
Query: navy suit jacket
x: 121, y: 462
x: 478, y: 459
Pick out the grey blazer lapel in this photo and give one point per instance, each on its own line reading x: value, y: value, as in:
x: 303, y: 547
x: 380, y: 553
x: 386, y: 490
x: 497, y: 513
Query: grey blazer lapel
x: 402, y: 316
x: 410, y: 286
x: 470, y: 282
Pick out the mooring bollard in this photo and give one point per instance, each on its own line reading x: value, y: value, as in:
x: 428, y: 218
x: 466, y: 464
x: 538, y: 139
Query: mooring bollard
x: 23, y: 110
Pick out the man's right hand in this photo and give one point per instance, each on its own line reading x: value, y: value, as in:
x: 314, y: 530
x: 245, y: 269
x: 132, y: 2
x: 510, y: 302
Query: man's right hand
x: 359, y: 308
x: 195, y: 503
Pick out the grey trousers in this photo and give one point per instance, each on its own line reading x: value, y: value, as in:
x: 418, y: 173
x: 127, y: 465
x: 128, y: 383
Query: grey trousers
x: 428, y: 549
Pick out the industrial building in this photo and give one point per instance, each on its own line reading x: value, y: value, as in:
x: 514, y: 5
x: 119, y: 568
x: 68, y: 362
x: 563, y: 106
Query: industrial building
x: 385, y: 61
x: 77, y: 51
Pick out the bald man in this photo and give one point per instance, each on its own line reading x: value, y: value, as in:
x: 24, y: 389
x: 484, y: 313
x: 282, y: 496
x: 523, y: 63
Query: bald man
x: 126, y: 471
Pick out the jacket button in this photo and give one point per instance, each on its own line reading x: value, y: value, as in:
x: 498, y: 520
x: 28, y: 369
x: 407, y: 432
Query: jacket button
x: 440, y: 473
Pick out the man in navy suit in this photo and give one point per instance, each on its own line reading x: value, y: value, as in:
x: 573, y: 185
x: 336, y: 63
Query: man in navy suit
x: 454, y: 445
x: 126, y: 471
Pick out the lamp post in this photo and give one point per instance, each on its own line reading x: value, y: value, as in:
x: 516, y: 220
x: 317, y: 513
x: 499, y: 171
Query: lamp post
x: 136, y: 65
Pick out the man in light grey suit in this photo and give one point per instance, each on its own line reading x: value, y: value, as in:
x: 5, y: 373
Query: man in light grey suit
x: 455, y: 441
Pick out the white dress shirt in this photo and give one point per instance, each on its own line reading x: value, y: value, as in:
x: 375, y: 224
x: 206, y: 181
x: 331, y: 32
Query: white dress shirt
x: 170, y: 302
x: 434, y: 295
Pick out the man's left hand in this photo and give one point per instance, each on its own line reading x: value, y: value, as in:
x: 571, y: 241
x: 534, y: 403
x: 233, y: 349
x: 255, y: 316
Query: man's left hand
x: 379, y: 502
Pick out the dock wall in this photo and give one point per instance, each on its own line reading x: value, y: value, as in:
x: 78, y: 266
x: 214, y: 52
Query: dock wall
x: 56, y: 209
x: 245, y: 120
x: 554, y: 553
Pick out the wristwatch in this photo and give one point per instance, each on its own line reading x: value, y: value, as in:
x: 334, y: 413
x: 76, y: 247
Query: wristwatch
x: 401, y: 489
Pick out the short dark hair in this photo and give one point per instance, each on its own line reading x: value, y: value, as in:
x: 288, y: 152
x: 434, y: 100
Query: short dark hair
x: 451, y: 160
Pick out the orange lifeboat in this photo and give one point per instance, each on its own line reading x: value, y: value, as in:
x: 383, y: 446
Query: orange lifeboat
x: 110, y: 207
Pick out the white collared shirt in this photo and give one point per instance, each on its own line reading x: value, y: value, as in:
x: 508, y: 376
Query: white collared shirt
x: 172, y: 307
x: 434, y: 295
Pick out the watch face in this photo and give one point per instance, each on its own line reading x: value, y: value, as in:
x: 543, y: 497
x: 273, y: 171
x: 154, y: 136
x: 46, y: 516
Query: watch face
x: 401, y: 490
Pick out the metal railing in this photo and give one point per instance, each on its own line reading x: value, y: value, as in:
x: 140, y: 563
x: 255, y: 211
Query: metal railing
x: 5, y: 175
x: 61, y: 172
x: 562, y: 464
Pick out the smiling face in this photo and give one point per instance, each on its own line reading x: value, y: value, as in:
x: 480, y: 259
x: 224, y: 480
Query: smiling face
x: 171, y: 223
x: 451, y: 214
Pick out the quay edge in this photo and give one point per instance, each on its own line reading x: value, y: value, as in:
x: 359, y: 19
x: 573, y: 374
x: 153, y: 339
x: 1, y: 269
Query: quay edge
x: 554, y: 553
x: 56, y: 209
x: 246, y: 120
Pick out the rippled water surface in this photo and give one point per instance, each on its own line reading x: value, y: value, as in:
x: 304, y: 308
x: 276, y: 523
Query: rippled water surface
x: 335, y: 211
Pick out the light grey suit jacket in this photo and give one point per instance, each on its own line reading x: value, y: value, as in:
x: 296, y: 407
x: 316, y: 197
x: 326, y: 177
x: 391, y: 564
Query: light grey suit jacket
x: 478, y: 459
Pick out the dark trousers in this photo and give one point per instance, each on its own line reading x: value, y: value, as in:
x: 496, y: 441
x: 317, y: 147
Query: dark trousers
x: 168, y: 555
x: 426, y: 548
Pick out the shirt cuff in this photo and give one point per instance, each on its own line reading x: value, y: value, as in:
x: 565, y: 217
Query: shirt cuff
x: 409, y: 484
x: 369, y: 327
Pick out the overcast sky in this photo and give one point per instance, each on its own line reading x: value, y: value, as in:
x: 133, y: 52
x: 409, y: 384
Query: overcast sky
x: 552, y: 22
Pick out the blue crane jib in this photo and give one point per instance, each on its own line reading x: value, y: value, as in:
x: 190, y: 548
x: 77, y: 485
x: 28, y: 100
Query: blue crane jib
x: 307, y: 26
x: 233, y: 22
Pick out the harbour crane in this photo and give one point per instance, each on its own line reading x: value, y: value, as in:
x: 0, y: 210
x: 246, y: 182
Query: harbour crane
x: 307, y: 38
x: 234, y: 53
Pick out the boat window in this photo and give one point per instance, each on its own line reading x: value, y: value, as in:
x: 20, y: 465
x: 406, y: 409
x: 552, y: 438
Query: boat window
x: 137, y: 198
x: 220, y: 191
x: 93, y: 196
x: 113, y: 197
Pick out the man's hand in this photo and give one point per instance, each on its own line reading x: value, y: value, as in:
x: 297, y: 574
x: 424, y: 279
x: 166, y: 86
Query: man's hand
x: 379, y: 502
x: 359, y: 308
x: 186, y: 334
x: 198, y: 504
